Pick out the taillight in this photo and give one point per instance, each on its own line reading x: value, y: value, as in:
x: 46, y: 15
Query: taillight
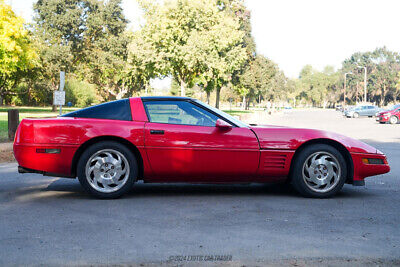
x: 25, y: 132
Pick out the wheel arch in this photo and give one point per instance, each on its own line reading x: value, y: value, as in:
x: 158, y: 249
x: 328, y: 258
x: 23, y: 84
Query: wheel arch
x: 97, y: 139
x: 340, y: 147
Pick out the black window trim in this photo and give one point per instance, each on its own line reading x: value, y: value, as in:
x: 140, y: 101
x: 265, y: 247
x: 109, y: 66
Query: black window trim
x: 185, y: 100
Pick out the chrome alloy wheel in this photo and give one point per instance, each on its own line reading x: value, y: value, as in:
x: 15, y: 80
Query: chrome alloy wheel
x: 107, y: 170
x: 321, y: 172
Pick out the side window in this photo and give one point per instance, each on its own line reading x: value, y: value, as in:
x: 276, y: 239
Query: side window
x: 371, y: 107
x: 115, y: 110
x: 179, y: 112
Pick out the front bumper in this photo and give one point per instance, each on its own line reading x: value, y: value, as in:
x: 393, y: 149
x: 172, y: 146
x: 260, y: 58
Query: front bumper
x: 348, y: 115
x: 363, y: 170
x: 382, y: 118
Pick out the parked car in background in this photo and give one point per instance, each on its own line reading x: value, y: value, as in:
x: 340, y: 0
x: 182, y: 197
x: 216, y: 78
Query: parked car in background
x: 347, y: 108
x: 391, y: 115
x: 339, y: 107
x: 365, y: 110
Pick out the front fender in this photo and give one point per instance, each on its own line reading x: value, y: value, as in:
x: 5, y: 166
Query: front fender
x: 275, y: 137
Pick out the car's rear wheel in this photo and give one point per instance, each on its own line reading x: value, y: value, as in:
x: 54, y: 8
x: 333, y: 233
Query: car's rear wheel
x: 356, y: 115
x: 394, y: 120
x: 107, y: 169
x: 319, y: 171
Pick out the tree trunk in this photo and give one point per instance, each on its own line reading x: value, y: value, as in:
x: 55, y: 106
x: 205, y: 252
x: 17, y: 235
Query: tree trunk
x: 208, y: 97
x: 383, y: 96
x: 13, y: 122
x: 244, y: 102
x: 1, y: 100
x: 183, y: 88
x: 54, y: 108
x: 217, y: 93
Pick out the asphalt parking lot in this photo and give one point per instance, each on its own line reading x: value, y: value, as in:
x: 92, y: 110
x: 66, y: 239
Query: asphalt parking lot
x: 48, y: 221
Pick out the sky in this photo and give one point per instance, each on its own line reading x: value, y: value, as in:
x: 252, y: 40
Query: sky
x: 294, y: 33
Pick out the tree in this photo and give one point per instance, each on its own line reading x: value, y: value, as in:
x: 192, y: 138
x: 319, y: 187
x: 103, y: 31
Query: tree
x: 318, y: 86
x: 82, y: 37
x: 237, y: 8
x: 17, y: 56
x: 257, y: 78
x: 382, y: 68
x: 187, y: 39
x: 105, y: 42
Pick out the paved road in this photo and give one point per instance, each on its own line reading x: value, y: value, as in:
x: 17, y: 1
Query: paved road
x: 52, y: 221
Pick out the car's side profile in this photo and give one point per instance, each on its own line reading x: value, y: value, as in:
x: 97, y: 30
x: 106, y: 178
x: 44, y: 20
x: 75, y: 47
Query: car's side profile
x: 170, y: 139
x: 366, y: 110
x: 392, y: 115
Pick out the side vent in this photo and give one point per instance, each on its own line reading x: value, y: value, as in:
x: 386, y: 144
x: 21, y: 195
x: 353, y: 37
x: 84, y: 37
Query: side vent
x: 274, y: 161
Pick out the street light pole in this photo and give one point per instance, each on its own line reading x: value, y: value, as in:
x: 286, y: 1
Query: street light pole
x: 344, y: 93
x: 365, y: 82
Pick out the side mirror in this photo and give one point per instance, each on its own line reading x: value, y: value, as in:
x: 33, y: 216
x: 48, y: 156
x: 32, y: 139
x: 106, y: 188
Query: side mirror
x: 222, y: 125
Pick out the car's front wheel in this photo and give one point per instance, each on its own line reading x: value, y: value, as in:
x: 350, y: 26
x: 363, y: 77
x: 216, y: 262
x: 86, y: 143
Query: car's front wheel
x: 356, y: 115
x: 319, y: 171
x: 107, y: 169
x: 394, y: 120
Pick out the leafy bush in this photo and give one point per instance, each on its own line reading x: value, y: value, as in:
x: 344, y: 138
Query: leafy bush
x: 37, y: 94
x: 79, y: 93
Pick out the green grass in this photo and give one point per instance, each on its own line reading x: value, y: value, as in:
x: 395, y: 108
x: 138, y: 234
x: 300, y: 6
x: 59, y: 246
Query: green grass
x: 35, y: 110
x: 237, y: 112
x: 25, y: 112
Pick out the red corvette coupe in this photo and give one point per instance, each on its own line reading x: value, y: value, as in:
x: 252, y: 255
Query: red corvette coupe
x: 173, y: 139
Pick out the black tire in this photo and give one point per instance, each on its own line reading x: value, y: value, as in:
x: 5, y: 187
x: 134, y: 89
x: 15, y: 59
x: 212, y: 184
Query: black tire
x: 132, y: 167
x: 382, y: 122
x: 296, y: 175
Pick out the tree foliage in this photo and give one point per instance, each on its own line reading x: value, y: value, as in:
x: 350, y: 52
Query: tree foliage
x: 382, y: 66
x: 83, y: 37
x: 188, y: 39
x: 17, y: 57
x: 258, y: 79
x: 317, y: 86
x: 203, y: 45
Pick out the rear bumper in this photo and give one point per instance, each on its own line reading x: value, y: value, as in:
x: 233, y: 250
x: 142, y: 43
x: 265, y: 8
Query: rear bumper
x: 26, y: 170
x: 52, y: 164
x: 363, y: 170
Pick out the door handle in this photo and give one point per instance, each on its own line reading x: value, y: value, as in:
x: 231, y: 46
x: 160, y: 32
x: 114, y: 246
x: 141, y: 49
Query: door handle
x: 156, y: 131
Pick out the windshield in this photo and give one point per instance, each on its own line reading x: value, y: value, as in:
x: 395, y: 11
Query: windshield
x: 223, y: 114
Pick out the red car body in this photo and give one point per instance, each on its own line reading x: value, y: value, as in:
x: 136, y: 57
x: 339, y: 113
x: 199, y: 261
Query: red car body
x: 384, y: 116
x: 185, y: 153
